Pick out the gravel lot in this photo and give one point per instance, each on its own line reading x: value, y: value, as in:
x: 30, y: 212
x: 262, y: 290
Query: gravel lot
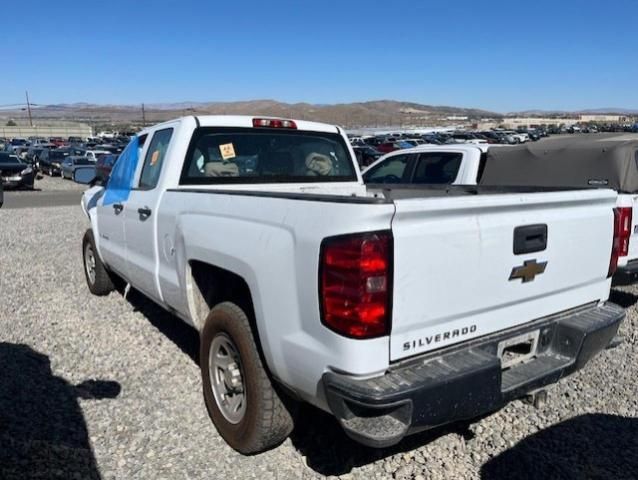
x: 109, y: 388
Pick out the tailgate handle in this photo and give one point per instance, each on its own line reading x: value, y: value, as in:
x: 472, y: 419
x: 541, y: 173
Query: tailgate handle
x: 530, y: 239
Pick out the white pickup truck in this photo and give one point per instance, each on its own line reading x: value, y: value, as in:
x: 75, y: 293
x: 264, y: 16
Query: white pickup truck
x: 395, y: 309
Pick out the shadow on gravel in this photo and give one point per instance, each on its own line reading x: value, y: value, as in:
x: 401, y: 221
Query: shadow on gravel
x: 176, y: 330
x: 329, y: 451
x: 589, y: 446
x: 42, y: 429
x: 624, y: 299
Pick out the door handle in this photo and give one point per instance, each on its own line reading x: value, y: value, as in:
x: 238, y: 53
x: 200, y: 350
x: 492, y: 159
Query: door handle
x: 530, y: 239
x: 118, y: 207
x: 144, y: 212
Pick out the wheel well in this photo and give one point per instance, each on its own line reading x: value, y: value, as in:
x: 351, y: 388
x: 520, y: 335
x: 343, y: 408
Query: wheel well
x: 211, y: 285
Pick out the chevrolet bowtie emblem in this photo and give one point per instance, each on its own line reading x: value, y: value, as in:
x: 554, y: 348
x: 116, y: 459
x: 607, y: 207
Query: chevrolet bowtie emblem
x: 528, y: 271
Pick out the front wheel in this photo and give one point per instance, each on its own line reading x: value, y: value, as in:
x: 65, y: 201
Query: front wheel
x: 244, y: 405
x: 97, y: 277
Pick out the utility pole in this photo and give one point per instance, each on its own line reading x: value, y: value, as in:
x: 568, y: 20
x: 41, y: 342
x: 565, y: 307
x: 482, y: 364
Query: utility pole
x: 29, y: 109
x: 143, y: 116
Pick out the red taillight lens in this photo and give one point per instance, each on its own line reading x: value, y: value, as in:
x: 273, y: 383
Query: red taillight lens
x: 356, y: 284
x: 624, y: 229
x: 622, y: 233
x: 273, y: 123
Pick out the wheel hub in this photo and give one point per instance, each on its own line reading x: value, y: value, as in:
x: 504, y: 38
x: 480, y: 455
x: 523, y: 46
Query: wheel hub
x: 226, y: 378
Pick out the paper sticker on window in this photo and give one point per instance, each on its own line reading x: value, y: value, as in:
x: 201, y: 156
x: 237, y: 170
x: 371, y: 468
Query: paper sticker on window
x: 228, y: 151
x: 155, y: 157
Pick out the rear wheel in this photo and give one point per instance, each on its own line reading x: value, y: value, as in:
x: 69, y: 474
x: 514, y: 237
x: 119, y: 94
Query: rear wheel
x: 97, y: 277
x: 244, y: 405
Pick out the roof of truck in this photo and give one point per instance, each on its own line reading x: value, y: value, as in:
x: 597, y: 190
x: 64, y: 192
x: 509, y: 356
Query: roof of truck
x: 597, y: 160
x: 246, y: 121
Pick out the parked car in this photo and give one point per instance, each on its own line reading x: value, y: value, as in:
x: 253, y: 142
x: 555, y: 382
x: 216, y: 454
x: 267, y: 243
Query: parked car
x: 50, y: 160
x: 72, y: 162
x: 387, y: 147
x: 303, y: 282
x: 366, y: 155
x: 58, y: 141
x: 104, y: 166
x: 14, y: 173
x: 93, y: 154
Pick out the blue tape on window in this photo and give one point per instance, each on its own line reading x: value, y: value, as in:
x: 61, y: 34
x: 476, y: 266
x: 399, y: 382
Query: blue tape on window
x: 120, y: 182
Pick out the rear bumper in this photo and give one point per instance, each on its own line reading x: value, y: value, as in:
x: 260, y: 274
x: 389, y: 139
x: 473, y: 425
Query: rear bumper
x: 466, y: 381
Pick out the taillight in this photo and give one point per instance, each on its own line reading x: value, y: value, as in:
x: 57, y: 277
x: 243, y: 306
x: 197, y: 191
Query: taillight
x: 273, y: 123
x: 355, y: 284
x: 622, y: 233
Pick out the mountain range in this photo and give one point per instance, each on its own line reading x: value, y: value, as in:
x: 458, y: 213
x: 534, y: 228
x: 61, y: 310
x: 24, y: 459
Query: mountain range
x: 379, y: 112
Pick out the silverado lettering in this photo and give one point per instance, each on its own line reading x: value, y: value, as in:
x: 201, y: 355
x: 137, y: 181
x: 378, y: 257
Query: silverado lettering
x: 439, y: 337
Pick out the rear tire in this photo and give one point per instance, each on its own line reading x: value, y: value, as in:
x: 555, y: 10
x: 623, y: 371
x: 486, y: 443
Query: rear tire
x: 259, y: 420
x: 97, y: 276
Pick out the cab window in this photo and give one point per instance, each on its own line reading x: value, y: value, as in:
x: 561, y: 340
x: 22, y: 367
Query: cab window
x: 392, y: 170
x: 155, y: 158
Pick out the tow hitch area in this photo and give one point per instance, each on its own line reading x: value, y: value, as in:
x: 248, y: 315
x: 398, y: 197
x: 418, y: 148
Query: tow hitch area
x: 518, y: 349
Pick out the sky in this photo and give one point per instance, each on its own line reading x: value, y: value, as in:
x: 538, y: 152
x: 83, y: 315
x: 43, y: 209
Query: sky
x: 502, y: 56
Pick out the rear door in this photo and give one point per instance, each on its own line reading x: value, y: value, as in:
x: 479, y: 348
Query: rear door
x: 437, y: 168
x: 141, y: 216
x: 469, y: 265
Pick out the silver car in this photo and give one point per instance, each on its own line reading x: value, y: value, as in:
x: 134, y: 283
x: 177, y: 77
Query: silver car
x: 71, y: 163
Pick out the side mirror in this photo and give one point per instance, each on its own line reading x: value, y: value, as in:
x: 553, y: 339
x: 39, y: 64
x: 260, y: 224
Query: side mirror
x: 84, y: 175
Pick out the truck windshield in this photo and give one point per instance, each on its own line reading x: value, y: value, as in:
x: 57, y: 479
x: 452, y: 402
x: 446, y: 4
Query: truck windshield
x: 223, y: 155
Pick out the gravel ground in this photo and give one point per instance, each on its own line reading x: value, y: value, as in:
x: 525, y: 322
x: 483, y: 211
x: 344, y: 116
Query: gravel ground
x: 57, y: 183
x: 109, y: 388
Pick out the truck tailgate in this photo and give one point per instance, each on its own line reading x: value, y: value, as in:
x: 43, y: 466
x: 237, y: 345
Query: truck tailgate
x: 456, y: 275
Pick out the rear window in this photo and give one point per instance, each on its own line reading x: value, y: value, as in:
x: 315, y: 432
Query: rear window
x: 225, y: 155
x: 58, y: 155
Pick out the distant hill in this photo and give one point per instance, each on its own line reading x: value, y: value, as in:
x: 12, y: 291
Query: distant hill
x: 591, y: 111
x: 380, y: 112
x: 357, y: 114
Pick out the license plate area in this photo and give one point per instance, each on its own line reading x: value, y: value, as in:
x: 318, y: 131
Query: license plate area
x: 519, y: 349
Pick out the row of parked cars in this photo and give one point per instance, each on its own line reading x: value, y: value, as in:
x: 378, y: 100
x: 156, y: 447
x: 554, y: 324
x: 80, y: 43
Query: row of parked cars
x: 444, y: 282
x: 370, y: 147
x: 22, y: 160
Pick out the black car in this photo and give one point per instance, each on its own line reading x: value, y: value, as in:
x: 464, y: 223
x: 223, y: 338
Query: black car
x: 14, y: 173
x: 50, y: 160
x: 366, y: 155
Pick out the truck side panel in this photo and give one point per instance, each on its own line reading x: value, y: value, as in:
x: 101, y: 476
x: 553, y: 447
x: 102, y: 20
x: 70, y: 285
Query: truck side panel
x: 273, y: 244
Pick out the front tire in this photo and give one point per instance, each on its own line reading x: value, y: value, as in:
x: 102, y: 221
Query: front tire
x: 247, y: 411
x: 97, y: 277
